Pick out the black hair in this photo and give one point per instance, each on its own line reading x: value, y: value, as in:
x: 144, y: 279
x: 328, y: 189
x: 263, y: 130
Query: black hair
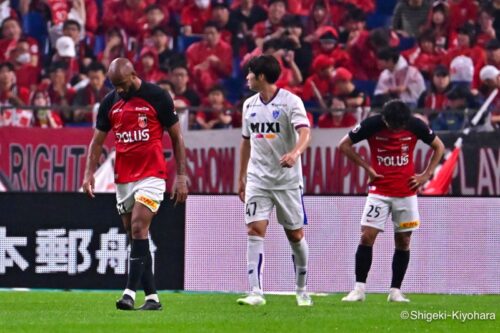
x: 8, y: 65
x: 96, y: 66
x: 167, y: 82
x: 163, y: 30
x: 179, y: 65
x: 469, y: 30
x: 152, y: 7
x: 266, y: 65
x: 58, y: 65
x: 211, y: 24
x: 427, y: 35
x: 379, y: 37
x: 67, y: 23
x: 388, y: 53
x: 273, y: 43
x: 396, y: 113
x: 217, y: 87
x: 270, y: 2
x: 355, y: 14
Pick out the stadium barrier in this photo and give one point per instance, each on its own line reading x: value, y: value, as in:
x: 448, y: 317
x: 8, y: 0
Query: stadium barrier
x: 68, y: 241
x: 455, y: 250
x: 54, y: 160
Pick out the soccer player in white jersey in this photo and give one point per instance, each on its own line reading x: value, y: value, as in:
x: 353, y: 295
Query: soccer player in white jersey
x: 275, y: 133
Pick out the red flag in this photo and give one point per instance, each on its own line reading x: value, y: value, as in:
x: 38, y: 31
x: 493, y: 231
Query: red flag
x: 440, y: 184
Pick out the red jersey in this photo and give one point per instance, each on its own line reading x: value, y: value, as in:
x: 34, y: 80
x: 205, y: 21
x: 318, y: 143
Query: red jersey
x: 392, y: 153
x: 138, y: 124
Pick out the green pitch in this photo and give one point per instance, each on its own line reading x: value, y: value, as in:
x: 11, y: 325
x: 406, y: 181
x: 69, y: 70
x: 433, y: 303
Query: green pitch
x: 184, y: 312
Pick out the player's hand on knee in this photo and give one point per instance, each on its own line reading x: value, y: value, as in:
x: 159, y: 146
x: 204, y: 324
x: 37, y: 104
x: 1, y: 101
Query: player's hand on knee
x: 88, y: 185
x: 180, y: 190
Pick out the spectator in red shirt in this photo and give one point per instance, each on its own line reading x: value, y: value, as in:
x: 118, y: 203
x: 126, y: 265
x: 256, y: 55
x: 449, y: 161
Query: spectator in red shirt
x: 336, y: 116
x: 272, y: 27
x: 461, y: 12
x: 194, y: 17
x: 435, y: 97
x: 320, y: 80
x: 10, y: 93
x: 439, y: 23
x: 493, y: 53
x: 346, y: 91
x: 116, y: 46
x: 353, y: 23
x: 44, y: 116
x: 363, y: 51
x: 209, y: 60
x: 320, y: 17
x: 27, y: 75
x: 328, y: 45
x: 59, y: 89
x: 155, y: 18
x: 148, y: 67
x: 11, y: 33
x: 424, y: 56
x: 486, y: 32
x: 92, y: 93
x: 219, y: 115
x: 466, y: 46
x: 125, y: 14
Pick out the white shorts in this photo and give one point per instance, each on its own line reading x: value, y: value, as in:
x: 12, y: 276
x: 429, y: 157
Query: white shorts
x: 148, y: 191
x: 404, y: 212
x: 290, y: 212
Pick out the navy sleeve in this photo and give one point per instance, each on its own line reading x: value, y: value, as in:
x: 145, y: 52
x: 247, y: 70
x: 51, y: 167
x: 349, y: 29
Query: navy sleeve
x: 103, y: 123
x: 366, y: 128
x: 421, y: 130
x: 164, y: 106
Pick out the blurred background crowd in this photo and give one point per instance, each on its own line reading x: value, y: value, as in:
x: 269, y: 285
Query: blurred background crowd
x: 343, y: 57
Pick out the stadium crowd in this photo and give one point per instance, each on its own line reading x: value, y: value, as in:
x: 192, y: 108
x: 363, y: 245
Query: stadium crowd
x: 337, y: 55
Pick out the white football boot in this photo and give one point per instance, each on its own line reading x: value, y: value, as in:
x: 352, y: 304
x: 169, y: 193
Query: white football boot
x: 253, y: 298
x: 395, y: 295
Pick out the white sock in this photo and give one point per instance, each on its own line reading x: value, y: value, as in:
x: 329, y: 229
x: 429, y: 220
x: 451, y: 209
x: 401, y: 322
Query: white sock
x: 300, y: 257
x: 255, y: 262
x: 360, y: 286
x: 130, y: 293
x: 153, y: 297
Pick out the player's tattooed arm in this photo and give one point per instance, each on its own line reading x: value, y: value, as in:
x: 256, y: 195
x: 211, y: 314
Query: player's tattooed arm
x: 288, y: 160
x: 345, y: 146
x: 94, y: 153
x: 420, y: 179
x: 180, y: 189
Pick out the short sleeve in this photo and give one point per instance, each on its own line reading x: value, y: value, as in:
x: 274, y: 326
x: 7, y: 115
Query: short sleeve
x: 366, y: 128
x: 103, y: 123
x: 166, y: 111
x: 245, y: 133
x: 298, y: 114
x: 421, y: 130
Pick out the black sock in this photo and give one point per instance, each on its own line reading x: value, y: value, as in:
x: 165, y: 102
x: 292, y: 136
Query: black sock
x: 148, y: 279
x: 399, y: 266
x: 363, y: 262
x: 138, y: 253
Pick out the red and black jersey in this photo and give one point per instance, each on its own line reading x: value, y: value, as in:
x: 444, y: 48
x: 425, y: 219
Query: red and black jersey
x: 392, y: 153
x: 138, y: 124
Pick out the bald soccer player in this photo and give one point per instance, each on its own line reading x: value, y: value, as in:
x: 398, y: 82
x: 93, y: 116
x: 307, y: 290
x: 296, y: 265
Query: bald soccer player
x: 137, y: 112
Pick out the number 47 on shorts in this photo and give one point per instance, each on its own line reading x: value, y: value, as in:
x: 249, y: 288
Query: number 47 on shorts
x: 251, y: 208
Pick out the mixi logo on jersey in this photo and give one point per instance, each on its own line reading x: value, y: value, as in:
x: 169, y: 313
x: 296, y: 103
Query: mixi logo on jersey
x: 135, y: 135
x: 265, y: 130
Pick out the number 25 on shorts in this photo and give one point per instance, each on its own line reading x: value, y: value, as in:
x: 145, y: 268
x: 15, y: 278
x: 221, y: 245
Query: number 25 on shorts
x: 373, y: 212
